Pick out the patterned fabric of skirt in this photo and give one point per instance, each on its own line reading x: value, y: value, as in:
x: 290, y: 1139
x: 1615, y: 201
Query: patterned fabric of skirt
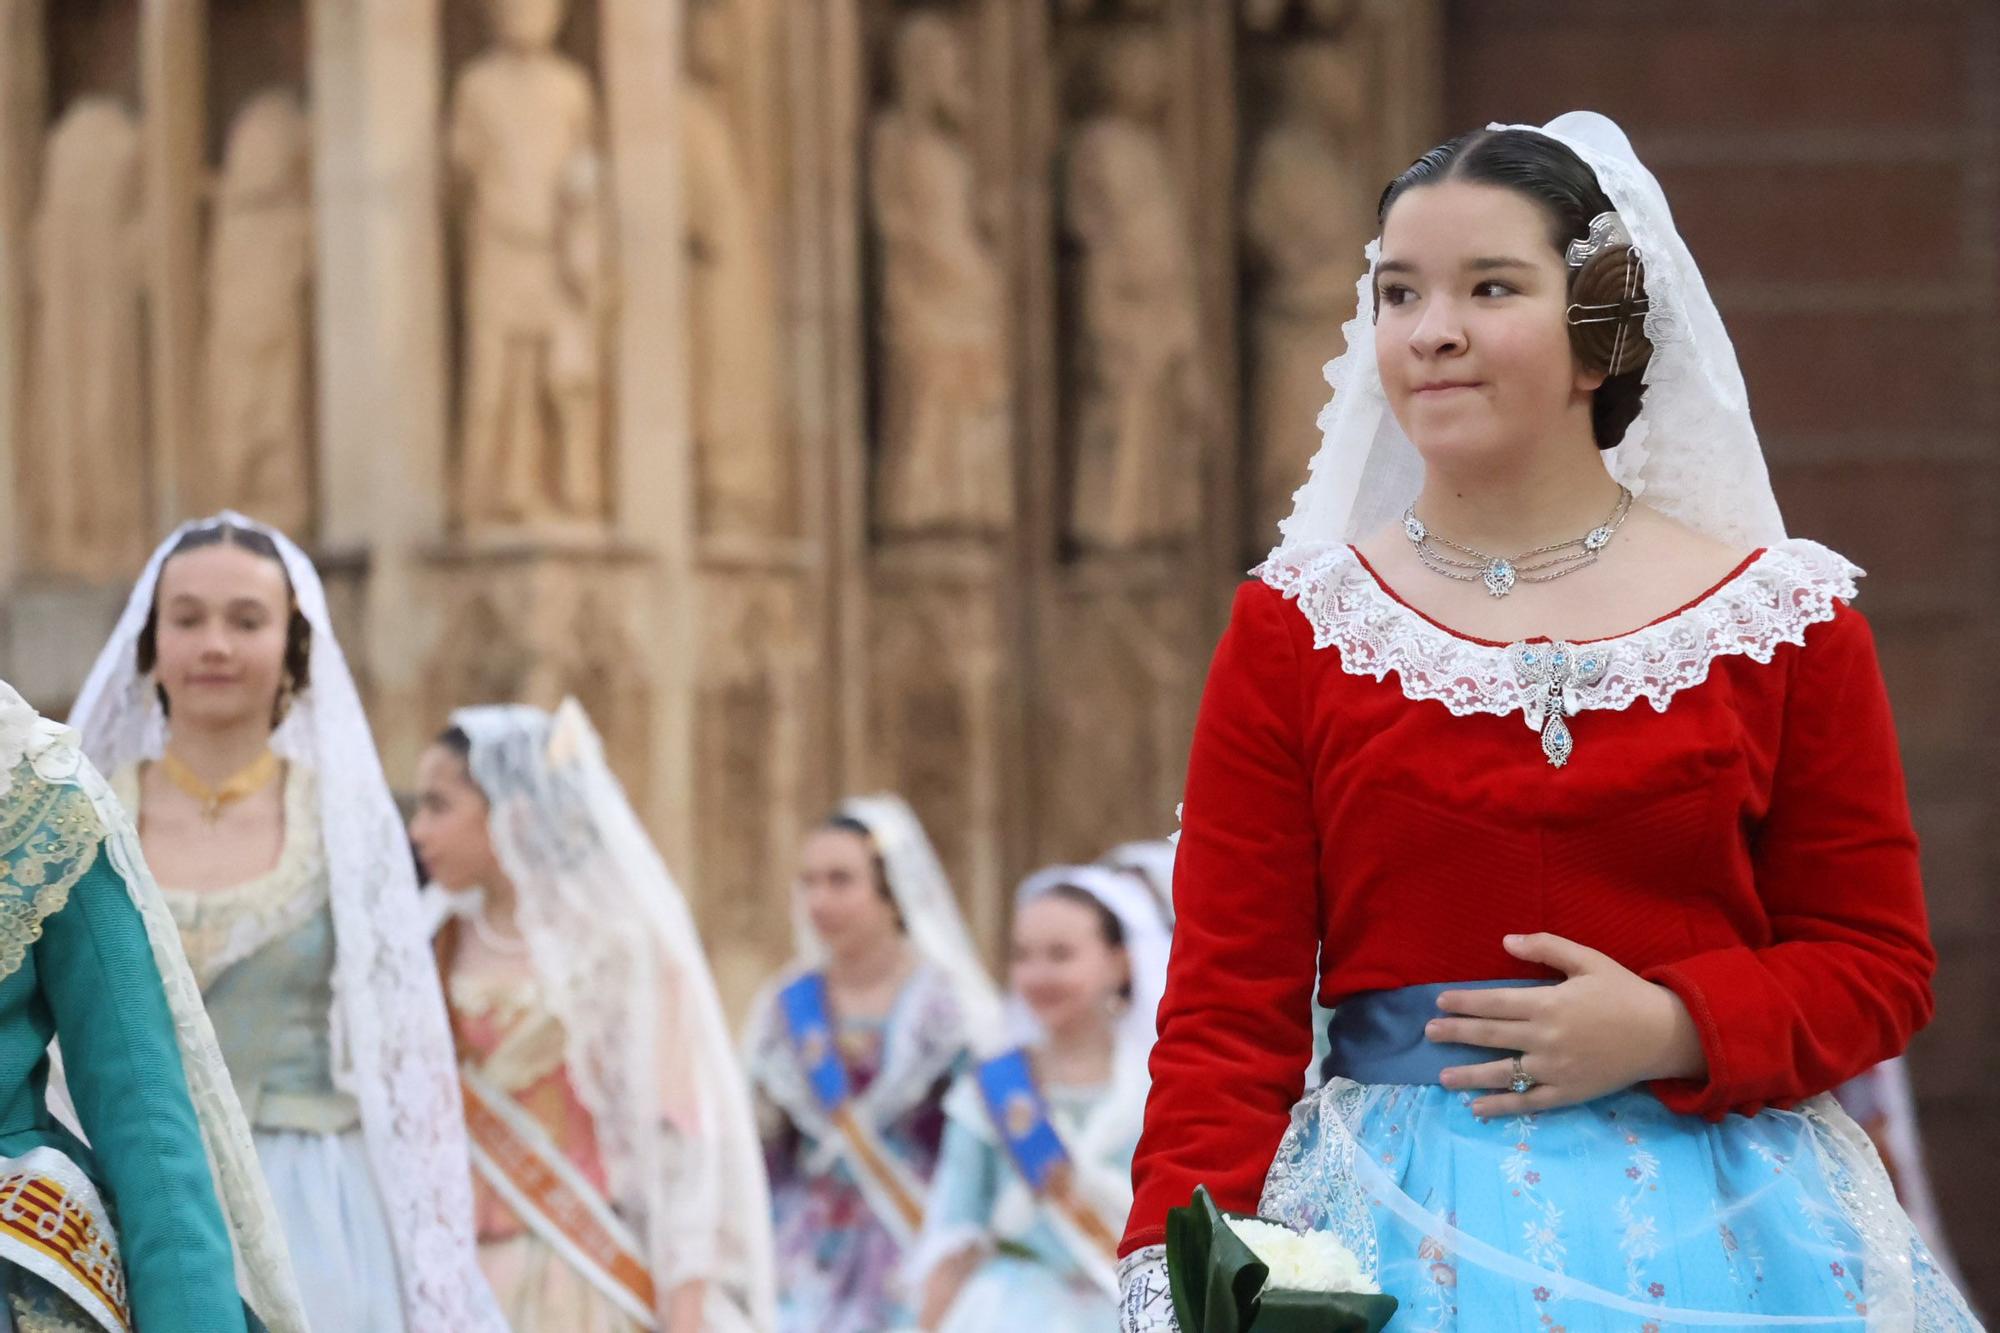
x: 1616, y: 1214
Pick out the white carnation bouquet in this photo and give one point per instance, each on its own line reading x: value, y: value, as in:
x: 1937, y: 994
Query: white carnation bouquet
x: 1302, y: 1260
x: 1250, y: 1275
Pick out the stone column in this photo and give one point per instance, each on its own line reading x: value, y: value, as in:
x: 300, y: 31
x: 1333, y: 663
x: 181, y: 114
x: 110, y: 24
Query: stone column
x: 23, y: 97
x: 173, y: 65
x: 382, y: 396
x: 379, y: 298
x: 651, y: 469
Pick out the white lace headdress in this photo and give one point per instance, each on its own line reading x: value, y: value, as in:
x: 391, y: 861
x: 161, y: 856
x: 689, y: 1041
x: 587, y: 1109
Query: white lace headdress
x: 263, y: 1265
x: 1692, y: 453
x: 1152, y: 861
x: 1148, y: 940
x: 924, y: 898
x: 621, y: 967
x: 392, y: 1045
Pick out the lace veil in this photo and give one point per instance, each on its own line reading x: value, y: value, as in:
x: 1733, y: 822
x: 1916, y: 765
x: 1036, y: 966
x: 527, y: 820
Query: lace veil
x: 1152, y: 861
x: 1692, y: 453
x: 392, y: 1046
x: 622, y: 968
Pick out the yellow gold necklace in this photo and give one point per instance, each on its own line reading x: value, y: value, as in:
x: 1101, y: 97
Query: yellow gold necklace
x: 213, y: 799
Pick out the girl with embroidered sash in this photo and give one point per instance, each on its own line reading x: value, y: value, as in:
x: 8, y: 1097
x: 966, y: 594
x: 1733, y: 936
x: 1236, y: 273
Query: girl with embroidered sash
x: 619, y: 1181
x: 137, y: 1228
x: 1032, y: 1189
x: 223, y: 709
x: 851, y: 1050
x: 1593, y: 978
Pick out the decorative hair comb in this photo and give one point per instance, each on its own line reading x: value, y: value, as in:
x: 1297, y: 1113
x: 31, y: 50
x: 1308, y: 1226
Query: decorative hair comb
x: 1608, y: 294
x: 1606, y: 230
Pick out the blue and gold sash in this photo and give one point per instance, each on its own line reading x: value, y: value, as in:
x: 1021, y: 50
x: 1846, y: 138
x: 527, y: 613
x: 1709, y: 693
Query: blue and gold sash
x: 895, y: 1196
x: 1020, y: 1114
x: 809, y: 1020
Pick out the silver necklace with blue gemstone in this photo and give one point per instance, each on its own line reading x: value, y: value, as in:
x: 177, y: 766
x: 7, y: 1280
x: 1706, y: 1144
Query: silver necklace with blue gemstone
x: 1544, y: 564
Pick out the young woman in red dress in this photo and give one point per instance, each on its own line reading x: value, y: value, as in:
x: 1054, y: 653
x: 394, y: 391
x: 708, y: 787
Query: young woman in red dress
x: 1571, y: 784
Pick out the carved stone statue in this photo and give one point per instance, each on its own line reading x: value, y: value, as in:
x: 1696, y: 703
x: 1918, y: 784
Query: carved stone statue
x: 1308, y: 214
x: 524, y: 152
x: 945, y: 461
x: 746, y: 485
x: 85, y: 463
x: 1140, y: 387
x: 256, y: 342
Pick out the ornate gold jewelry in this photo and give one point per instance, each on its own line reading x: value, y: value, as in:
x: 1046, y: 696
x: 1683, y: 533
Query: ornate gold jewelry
x: 214, y: 800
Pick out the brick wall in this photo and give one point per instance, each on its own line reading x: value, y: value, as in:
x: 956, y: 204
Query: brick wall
x: 1835, y: 166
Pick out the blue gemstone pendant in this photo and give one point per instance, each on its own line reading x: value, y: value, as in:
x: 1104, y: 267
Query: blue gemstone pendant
x: 1557, y: 743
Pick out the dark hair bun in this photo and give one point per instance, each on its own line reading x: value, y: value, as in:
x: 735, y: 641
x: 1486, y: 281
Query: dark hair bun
x: 1607, y: 312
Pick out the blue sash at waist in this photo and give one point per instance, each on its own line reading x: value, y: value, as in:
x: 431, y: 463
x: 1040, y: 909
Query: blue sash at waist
x: 1378, y: 1036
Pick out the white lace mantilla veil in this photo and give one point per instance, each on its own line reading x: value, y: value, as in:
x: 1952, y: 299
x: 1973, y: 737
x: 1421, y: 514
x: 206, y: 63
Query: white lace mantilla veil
x: 923, y: 896
x: 263, y: 1267
x: 1153, y: 861
x: 391, y: 1042
x: 1692, y: 453
x: 622, y: 968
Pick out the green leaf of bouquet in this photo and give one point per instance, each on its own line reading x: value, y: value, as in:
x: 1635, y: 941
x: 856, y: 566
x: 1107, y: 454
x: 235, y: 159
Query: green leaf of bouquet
x: 1322, y: 1312
x: 1213, y: 1276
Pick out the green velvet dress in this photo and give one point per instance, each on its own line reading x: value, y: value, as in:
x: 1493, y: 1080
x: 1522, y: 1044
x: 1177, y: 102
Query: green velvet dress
x: 76, y: 965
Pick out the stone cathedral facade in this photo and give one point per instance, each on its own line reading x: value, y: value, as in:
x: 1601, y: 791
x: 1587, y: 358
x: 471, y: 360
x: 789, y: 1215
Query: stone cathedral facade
x: 832, y: 394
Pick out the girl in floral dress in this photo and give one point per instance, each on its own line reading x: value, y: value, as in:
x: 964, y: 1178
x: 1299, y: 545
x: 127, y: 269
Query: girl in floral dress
x: 851, y: 1051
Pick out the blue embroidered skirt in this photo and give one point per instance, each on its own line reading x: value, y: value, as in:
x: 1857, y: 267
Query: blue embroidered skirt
x: 1616, y: 1214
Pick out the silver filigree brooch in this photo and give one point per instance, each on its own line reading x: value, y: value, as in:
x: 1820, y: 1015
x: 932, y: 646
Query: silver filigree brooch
x: 1554, y: 673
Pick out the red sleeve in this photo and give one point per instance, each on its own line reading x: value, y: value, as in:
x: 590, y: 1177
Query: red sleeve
x: 1844, y: 978
x: 1236, y: 1022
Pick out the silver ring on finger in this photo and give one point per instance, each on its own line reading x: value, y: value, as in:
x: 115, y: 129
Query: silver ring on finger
x: 1523, y: 1081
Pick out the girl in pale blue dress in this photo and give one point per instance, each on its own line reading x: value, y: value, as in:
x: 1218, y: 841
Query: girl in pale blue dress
x: 223, y: 712
x: 1034, y: 1181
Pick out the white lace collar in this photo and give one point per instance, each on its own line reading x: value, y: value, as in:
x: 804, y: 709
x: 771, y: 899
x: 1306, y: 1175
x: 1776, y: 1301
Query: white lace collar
x: 1770, y: 601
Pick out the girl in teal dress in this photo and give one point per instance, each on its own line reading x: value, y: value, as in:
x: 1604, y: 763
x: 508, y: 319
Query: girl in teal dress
x: 142, y: 1227
x: 1033, y: 1183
